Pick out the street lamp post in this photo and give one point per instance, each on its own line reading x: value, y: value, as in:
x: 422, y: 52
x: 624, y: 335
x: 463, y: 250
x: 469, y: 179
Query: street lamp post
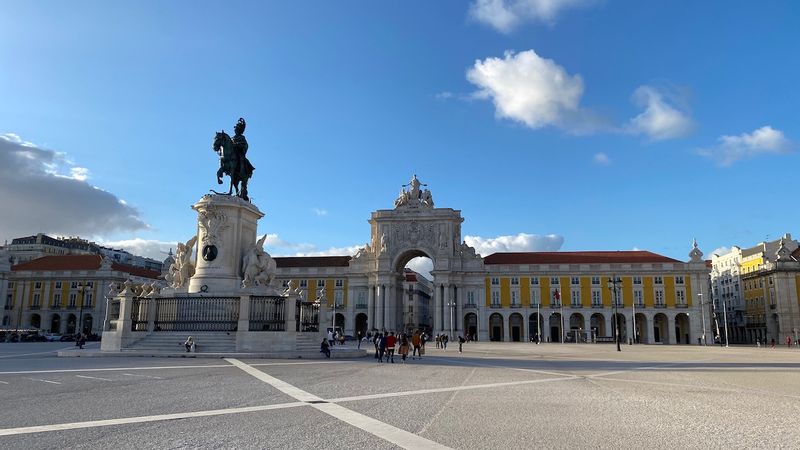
x: 703, y: 317
x: 725, y: 319
x: 612, y: 282
x: 633, y: 319
x: 557, y: 296
x: 82, y: 289
x: 539, y: 327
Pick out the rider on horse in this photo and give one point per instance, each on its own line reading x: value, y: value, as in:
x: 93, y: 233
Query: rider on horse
x: 236, y: 165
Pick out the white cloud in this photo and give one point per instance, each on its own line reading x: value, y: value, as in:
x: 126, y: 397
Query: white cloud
x: 41, y: 191
x: 444, y: 95
x: 521, y: 242
x: 662, y: 118
x: 320, y: 212
x: 279, y: 247
x: 601, y: 159
x: 79, y: 173
x: 532, y: 90
x: 149, y: 248
x: 422, y: 266
x: 505, y: 15
x: 733, y: 148
x: 721, y: 251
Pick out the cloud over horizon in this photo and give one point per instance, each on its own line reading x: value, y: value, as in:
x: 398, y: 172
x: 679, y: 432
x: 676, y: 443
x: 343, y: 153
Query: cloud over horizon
x: 522, y: 242
x: 730, y: 149
x: 49, y: 194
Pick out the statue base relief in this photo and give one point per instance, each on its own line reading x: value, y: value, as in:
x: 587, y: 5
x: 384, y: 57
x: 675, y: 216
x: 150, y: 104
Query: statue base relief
x: 226, y: 229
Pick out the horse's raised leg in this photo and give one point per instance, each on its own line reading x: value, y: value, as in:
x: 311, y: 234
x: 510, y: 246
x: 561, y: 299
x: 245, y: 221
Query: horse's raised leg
x: 219, y: 175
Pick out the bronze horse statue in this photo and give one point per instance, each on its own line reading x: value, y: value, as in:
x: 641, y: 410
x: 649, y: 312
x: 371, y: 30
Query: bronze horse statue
x: 234, y: 163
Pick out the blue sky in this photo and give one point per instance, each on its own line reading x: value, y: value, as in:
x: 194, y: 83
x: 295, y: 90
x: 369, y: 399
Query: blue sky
x: 583, y: 125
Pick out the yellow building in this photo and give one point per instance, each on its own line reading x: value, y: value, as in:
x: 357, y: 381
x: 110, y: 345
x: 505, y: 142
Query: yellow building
x: 56, y: 293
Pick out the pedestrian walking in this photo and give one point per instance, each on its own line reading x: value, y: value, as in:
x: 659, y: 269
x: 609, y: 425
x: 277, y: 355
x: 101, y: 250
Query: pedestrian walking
x: 375, y: 342
x: 391, y: 341
x: 772, y: 343
x: 788, y: 342
x: 325, y: 348
x: 81, y: 341
x: 445, y: 338
x: 461, y: 341
x: 330, y: 338
x: 381, y: 347
x: 403, y: 348
x: 416, y: 342
x: 189, y: 344
x: 359, y: 339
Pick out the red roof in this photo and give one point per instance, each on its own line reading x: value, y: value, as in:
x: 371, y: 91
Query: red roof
x: 312, y: 261
x: 613, y: 257
x: 80, y: 262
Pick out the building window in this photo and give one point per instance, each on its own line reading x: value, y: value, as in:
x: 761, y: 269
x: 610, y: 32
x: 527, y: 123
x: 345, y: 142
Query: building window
x: 11, y: 285
x: 556, y: 296
x: 554, y: 281
x: 338, y: 299
x: 575, y: 281
x: 320, y: 283
x: 658, y: 280
x: 596, y: 300
x: 495, y: 281
x: 36, y: 299
x: 535, y: 300
x: 471, y: 298
x: 659, y: 298
x: 87, y: 301
x: 339, y: 283
x: 576, y: 298
x: 514, y: 297
x: 90, y: 284
x: 362, y: 299
x: 303, y: 283
x: 534, y: 280
x: 595, y: 281
x: 72, y: 298
x: 56, y: 300
x: 638, y: 298
x: 514, y: 281
x: 74, y: 285
x: 495, y: 298
x: 37, y: 285
x: 680, y: 297
x: 616, y: 297
x: 637, y: 280
x: 679, y: 279
x: 58, y: 285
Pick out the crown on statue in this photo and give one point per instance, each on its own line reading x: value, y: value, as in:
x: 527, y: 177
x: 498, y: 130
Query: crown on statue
x: 241, y: 124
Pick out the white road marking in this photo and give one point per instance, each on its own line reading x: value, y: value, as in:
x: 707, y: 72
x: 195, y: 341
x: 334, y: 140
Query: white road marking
x: 143, y: 376
x: 119, y: 369
x: 14, y: 355
x: 4, y: 382
x: 397, y: 436
x: 144, y: 419
x: 448, y: 389
x: 93, y: 378
x: 43, y: 381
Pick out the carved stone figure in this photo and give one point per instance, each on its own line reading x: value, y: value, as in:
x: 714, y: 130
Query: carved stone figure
x: 383, y: 242
x: 427, y: 198
x: 258, y: 268
x: 183, y: 268
x: 233, y: 159
x: 413, y: 197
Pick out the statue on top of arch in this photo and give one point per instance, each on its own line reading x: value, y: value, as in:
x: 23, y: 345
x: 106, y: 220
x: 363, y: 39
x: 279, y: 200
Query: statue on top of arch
x: 414, y: 196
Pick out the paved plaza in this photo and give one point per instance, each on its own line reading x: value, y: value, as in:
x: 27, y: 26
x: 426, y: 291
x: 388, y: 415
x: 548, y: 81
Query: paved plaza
x: 494, y: 395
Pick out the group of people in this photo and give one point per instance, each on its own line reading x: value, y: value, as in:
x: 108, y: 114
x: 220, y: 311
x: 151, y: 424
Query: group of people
x: 772, y: 342
x: 386, y: 344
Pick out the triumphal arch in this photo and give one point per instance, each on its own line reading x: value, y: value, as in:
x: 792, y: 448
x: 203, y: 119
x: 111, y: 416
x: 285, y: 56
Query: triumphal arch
x: 413, y: 228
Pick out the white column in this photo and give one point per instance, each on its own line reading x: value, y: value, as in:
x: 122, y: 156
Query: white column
x: 437, y: 309
x: 371, y: 307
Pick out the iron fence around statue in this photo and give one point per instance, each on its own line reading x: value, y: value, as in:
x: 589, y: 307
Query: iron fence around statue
x: 267, y: 314
x: 307, y: 317
x: 197, y: 314
x: 139, y: 307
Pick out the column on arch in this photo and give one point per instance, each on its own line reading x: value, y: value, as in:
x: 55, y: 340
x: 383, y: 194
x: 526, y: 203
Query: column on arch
x: 437, y: 309
x: 380, y: 306
x: 371, y: 307
x: 459, y: 311
x: 446, y: 301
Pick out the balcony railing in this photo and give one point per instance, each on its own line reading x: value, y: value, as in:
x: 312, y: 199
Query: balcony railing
x: 470, y: 306
x: 361, y: 306
x: 35, y: 307
x: 681, y: 305
x: 495, y: 305
x: 659, y: 305
x: 597, y: 305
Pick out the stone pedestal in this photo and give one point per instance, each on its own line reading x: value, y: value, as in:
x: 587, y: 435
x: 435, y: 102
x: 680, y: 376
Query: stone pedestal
x: 226, y: 229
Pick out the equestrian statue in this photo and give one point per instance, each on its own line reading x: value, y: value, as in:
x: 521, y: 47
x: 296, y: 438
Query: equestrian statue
x: 233, y: 160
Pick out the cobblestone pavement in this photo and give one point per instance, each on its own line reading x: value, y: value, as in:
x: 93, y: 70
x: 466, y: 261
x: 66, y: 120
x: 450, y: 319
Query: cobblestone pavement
x: 494, y: 395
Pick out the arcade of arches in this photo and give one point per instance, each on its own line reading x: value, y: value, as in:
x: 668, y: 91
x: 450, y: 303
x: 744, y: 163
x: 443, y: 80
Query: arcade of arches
x: 498, y: 297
